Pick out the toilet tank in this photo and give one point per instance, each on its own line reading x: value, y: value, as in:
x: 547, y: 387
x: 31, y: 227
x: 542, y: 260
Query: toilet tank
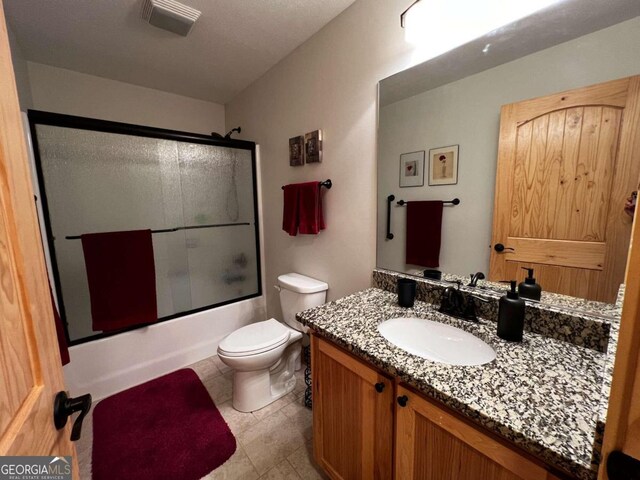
x: 298, y: 293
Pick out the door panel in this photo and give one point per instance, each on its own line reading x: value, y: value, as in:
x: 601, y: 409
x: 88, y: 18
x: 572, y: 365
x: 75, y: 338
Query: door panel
x: 587, y: 255
x: 29, y: 357
x: 447, y: 458
x: 433, y: 444
x: 623, y: 417
x: 565, y: 168
x: 352, y: 420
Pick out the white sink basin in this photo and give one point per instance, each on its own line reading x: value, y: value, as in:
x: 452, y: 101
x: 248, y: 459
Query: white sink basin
x: 436, y: 341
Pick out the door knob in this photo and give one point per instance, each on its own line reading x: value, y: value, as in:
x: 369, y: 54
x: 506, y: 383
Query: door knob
x: 379, y: 387
x: 498, y: 247
x: 402, y: 401
x: 65, y: 406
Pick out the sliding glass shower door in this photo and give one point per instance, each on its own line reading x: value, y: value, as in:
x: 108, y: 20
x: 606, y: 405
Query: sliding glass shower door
x: 196, y: 194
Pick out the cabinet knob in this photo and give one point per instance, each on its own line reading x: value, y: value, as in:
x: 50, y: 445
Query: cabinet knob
x: 402, y: 401
x: 379, y: 387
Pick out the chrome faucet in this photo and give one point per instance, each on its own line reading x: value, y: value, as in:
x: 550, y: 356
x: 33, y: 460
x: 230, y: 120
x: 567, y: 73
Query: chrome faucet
x: 474, y: 279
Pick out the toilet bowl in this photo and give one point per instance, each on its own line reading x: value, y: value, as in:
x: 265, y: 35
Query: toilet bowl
x: 265, y: 355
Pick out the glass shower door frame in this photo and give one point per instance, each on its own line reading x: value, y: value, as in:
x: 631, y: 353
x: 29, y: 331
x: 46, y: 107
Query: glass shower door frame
x: 37, y: 117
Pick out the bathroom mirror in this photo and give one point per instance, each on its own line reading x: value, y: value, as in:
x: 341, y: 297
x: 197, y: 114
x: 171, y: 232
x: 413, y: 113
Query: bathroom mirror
x: 439, y: 123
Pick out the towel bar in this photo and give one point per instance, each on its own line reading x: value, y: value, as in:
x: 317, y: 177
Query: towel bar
x: 402, y: 203
x: 327, y: 184
x: 455, y: 201
x: 390, y: 199
x: 175, y: 229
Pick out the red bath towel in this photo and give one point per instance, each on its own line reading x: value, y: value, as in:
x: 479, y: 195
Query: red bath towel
x: 302, y: 210
x: 122, y: 279
x: 290, y: 211
x: 424, y: 232
x: 310, y: 208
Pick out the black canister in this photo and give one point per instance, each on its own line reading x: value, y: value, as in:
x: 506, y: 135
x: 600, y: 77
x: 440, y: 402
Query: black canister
x: 434, y: 274
x: 406, y: 292
x: 511, y: 315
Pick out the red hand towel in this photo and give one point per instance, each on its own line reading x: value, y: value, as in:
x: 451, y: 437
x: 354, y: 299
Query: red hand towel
x: 290, y: 211
x: 62, y: 340
x: 310, y: 209
x: 424, y: 232
x: 122, y: 279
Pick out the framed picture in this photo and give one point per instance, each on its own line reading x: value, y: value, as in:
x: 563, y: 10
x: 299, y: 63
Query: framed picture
x: 296, y: 151
x: 313, y: 146
x: 443, y: 165
x: 412, y: 169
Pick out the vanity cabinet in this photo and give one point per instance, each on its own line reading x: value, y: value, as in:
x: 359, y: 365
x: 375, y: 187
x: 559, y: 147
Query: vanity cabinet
x: 352, y: 415
x: 363, y: 423
x: 433, y: 444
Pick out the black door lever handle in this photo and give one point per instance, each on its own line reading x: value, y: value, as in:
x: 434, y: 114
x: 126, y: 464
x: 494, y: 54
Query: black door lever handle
x: 498, y: 247
x: 65, y: 406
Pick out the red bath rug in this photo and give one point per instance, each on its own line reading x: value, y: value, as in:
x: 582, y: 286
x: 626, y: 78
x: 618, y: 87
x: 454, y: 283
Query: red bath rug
x: 166, y: 428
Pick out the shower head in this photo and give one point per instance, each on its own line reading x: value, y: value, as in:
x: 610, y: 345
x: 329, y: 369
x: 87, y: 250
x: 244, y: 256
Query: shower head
x: 228, y: 135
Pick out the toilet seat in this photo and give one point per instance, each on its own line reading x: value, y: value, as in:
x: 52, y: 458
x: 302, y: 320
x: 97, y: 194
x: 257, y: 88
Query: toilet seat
x: 255, y: 338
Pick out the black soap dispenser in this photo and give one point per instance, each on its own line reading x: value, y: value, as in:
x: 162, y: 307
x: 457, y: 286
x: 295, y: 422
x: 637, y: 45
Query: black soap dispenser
x: 529, y: 288
x: 511, y: 315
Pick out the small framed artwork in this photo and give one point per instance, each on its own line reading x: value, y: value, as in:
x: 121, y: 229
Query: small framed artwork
x: 296, y: 151
x: 412, y: 169
x: 443, y: 165
x: 313, y: 146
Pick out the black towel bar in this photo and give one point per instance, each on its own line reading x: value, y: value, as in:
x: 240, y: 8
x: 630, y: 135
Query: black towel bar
x: 402, y: 203
x: 327, y: 184
x: 455, y: 201
x: 175, y: 229
x: 390, y: 199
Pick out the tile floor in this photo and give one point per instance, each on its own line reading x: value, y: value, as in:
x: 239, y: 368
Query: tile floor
x: 272, y: 443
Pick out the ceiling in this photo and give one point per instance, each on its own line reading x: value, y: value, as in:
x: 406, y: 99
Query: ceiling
x: 232, y: 44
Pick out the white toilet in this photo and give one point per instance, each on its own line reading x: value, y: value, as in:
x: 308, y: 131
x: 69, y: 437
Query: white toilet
x: 265, y: 355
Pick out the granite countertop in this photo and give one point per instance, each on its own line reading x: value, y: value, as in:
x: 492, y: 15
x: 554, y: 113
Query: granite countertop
x: 544, y: 395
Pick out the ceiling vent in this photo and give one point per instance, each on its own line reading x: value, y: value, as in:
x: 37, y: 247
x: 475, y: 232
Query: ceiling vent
x: 170, y: 15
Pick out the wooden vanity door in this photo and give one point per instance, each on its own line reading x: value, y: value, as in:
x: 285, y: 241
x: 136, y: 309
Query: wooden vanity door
x: 352, y: 420
x: 566, y: 164
x: 433, y: 444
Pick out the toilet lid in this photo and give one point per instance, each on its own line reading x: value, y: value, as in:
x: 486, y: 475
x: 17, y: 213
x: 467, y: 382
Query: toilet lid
x: 255, y: 338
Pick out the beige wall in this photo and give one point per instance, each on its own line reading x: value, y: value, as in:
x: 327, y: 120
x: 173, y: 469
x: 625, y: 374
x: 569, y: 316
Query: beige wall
x: 65, y: 91
x: 329, y: 82
x: 20, y: 71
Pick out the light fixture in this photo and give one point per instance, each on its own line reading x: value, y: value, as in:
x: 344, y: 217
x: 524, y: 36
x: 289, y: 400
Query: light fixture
x: 404, y: 14
x: 437, y: 26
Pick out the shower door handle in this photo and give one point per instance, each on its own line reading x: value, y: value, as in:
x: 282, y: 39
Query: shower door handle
x: 65, y: 406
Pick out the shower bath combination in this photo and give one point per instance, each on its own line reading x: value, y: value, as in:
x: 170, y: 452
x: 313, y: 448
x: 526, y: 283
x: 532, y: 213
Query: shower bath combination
x: 195, y: 193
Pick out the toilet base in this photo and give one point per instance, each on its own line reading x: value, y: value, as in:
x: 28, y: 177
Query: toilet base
x: 257, y: 389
